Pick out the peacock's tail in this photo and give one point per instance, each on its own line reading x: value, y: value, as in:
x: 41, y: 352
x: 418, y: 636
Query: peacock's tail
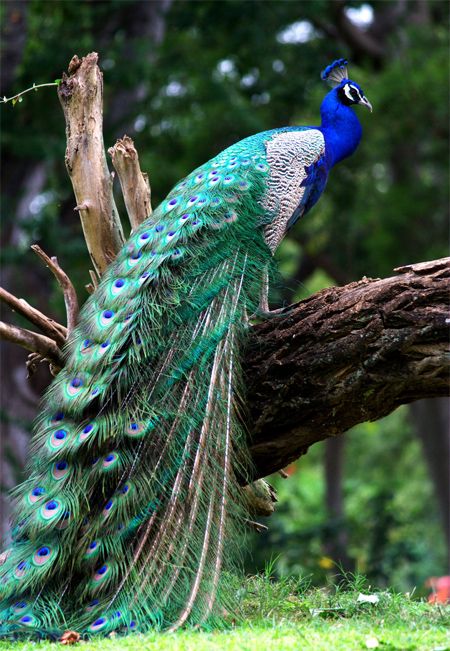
x: 131, y: 509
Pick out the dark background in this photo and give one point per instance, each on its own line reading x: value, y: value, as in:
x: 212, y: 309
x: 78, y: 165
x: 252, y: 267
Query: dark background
x: 185, y: 80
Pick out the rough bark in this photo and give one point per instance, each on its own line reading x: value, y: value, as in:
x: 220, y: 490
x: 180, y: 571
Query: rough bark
x: 344, y: 356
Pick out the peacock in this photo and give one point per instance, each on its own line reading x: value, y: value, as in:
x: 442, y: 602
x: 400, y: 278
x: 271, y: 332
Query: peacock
x: 132, y: 517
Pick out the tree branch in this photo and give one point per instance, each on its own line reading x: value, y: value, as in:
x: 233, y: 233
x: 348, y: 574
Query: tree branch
x: 344, y: 356
x: 54, y: 330
x: 70, y: 295
x: 33, y: 342
x: 134, y: 183
x: 81, y: 96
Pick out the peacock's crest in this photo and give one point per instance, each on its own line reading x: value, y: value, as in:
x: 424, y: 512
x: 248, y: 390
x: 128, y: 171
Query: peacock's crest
x: 335, y: 73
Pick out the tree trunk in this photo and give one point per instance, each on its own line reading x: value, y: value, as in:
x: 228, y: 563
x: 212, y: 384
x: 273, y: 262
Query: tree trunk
x: 344, y: 356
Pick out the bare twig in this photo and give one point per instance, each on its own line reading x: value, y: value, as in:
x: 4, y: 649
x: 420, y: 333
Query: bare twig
x: 70, y: 295
x: 51, y: 328
x: 81, y: 96
x: 134, y: 183
x: 32, y: 341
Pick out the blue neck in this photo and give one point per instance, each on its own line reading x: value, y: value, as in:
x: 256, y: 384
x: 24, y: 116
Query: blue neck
x: 341, y: 128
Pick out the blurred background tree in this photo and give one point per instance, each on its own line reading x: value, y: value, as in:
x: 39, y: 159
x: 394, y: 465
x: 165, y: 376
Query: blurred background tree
x: 185, y: 80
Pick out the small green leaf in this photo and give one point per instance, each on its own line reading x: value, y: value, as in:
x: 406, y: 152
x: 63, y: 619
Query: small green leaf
x: 57, y: 81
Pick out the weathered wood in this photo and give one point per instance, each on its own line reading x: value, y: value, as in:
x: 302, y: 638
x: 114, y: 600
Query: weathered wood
x: 69, y: 293
x: 344, y: 356
x: 134, y: 183
x: 81, y: 96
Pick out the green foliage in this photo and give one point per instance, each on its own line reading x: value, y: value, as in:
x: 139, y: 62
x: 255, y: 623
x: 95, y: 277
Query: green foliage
x: 393, y: 528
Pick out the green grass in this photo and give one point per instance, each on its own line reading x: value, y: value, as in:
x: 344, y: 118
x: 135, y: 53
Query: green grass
x: 287, y: 615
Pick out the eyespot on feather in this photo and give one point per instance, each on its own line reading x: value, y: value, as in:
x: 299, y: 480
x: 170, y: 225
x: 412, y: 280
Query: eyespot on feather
x: 28, y: 620
x: 60, y: 469
x: 21, y: 606
x: 108, y: 508
x: 74, y: 386
x: 35, y: 495
x: 99, y: 624
x: 42, y: 555
x: 51, y: 510
x: 86, y: 432
x: 57, y: 439
x: 110, y: 461
x: 21, y: 570
x: 92, y: 605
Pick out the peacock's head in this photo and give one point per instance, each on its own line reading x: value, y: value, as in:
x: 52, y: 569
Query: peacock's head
x: 348, y: 91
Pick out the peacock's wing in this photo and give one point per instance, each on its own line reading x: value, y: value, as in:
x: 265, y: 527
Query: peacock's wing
x: 298, y: 174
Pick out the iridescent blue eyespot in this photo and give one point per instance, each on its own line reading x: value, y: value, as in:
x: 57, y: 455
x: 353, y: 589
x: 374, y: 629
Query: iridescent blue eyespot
x: 92, y: 605
x: 60, y: 434
x: 20, y: 605
x: 42, y: 555
x: 38, y: 491
x: 159, y: 228
x: 108, y: 505
x: 26, y: 619
x: 136, y: 255
x: 86, y: 432
x: 125, y: 489
x: 105, y: 344
x: 98, y: 624
x: 76, y: 382
x: 144, y: 277
x: 58, y: 416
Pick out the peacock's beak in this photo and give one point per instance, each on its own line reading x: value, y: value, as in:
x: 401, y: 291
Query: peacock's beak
x: 365, y: 102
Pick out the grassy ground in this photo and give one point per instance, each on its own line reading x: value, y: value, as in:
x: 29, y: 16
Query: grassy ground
x: 282, y: 615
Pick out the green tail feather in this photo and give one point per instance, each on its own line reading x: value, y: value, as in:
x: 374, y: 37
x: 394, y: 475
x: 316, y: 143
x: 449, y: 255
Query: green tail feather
x: 132, y: 510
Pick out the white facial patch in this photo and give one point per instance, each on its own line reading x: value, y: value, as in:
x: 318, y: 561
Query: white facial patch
x: 348, y: 88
